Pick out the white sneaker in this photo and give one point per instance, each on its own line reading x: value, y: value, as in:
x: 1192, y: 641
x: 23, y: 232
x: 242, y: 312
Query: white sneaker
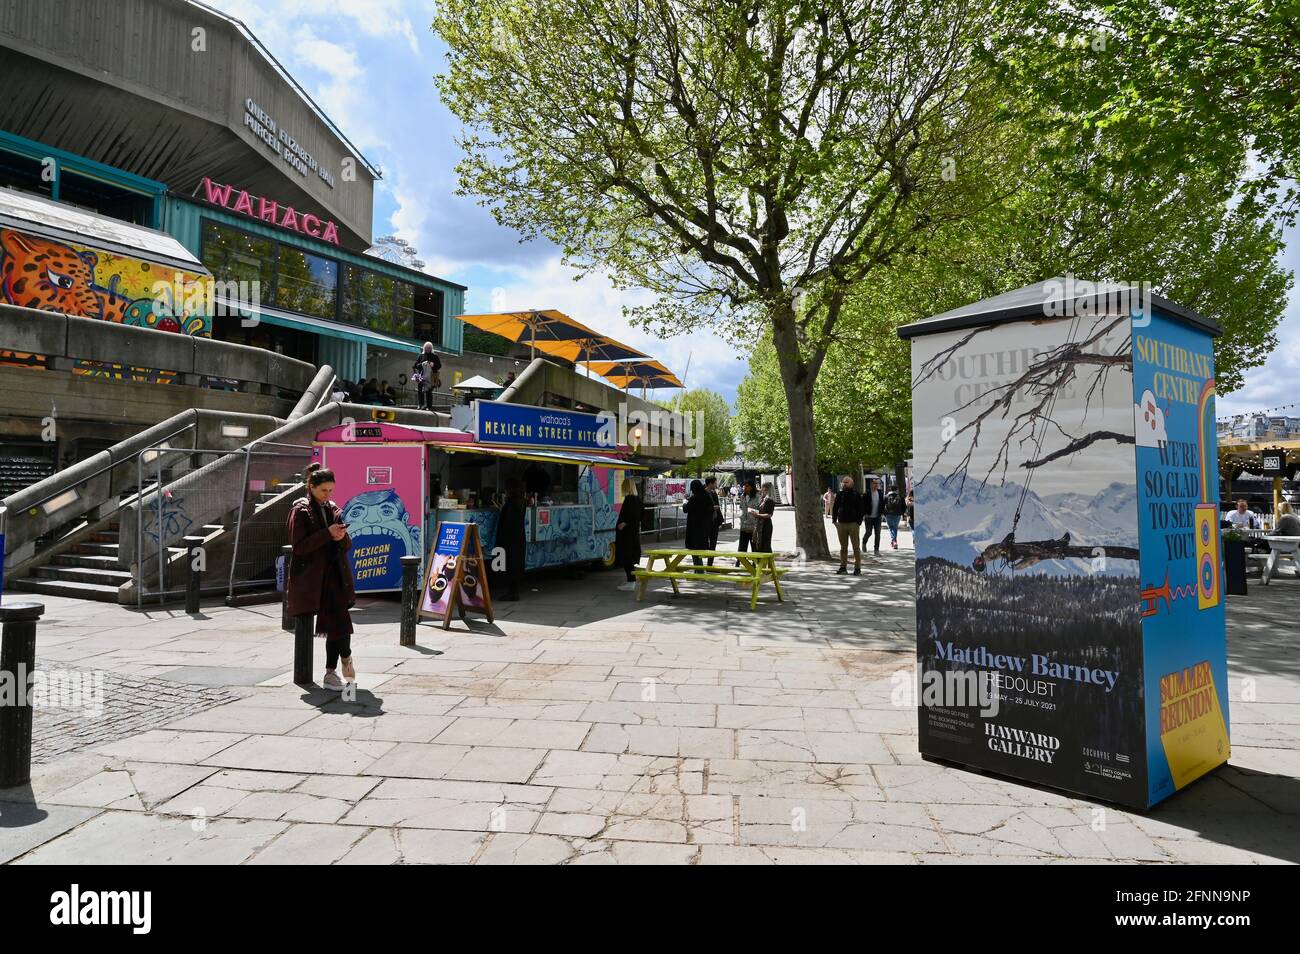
x: 332, y: 681
x: 627, y: 587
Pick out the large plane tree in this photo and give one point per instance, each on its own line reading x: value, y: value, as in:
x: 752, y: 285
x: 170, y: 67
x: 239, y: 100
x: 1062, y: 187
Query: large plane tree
x: 749, y: 162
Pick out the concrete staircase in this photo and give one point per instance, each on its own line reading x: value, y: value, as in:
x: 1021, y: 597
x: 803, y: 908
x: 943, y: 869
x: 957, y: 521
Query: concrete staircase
x: 89, y: 570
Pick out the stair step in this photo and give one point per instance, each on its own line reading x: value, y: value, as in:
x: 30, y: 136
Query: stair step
x: 81, y: 574
x: 88, y: 549
x: 81, y: 591
x: 85, y: 559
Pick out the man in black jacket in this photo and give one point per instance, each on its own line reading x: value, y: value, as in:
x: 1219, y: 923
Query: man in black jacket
x: 846, y: 513
x: 711, y: 485
x: 873, y: 509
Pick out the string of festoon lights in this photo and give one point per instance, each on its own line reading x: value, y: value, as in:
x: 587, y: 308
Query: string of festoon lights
x: 1264, y: 412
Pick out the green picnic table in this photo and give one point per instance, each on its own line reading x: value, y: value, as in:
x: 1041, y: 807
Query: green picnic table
x: 753, y: 571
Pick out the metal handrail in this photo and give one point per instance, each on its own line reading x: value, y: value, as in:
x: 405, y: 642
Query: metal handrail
x: 63, y: 489
x: 4, y: 518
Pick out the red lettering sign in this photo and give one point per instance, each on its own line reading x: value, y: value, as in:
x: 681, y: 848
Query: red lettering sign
x: 267, y: 210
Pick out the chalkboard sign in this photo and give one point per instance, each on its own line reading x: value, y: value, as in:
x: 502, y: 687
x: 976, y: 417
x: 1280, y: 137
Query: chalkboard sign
x: 1273, y: 463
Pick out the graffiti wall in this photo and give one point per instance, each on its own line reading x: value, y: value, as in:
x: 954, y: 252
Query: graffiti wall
x: 41, y: 273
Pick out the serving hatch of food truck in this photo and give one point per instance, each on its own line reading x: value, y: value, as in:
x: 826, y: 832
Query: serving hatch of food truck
x: 396, y: 483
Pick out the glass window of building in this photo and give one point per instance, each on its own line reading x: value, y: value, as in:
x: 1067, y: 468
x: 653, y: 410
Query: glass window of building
x: 403, y: 309
x: 306, y: 283
x: 233, y: 255
x: 106, y: 199
x: 364, y: 298
x: 428, y: 315
x: 25, y: 174
x: 379, y: 302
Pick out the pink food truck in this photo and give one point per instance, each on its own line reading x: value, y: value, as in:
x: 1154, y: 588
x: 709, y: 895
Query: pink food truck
x: 396, y: 483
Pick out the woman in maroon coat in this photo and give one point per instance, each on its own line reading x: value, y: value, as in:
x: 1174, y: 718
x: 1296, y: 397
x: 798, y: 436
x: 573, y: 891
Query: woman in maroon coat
x: 320, y: 578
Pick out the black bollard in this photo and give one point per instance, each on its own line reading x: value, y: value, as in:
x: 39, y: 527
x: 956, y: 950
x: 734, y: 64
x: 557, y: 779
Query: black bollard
x: 303, y: 634
x: 286, y: 621
x: 194, y: 580
x: 410, y: 599
x: 17, y: 662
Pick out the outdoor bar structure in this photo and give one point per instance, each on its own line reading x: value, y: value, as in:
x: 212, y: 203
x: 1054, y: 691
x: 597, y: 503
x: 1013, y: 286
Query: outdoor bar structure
x: 1068, y: 550
x: 395, y: 484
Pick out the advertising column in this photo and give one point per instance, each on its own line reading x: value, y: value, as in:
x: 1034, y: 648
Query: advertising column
x: 1070, y: 623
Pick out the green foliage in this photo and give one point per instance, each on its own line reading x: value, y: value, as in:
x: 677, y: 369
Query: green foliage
x: 484, y: 342
x: 1171, y: 225
x: 709, y: 409
x: 1201, y: 79
x: 822, y: 171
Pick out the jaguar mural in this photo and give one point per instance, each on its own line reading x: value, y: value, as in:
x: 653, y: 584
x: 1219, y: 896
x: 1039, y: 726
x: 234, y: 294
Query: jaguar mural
x: 40, y: 273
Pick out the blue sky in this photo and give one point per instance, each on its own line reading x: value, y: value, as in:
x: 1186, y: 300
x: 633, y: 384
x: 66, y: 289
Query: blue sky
x: 370, y: 65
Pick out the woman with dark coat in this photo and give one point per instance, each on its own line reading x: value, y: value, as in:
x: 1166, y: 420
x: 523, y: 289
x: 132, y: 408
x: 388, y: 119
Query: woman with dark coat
x: 425, y: 371
x: 699, y: 519
x: 320, y: 578
x: 512, y: 538
x: 627, y: 542
x: 763, y: 521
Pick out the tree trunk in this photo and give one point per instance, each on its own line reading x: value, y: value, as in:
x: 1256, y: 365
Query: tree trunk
x: 809, y: 524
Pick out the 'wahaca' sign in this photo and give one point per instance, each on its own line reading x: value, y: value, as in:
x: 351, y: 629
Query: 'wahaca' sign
x: 270, y: 211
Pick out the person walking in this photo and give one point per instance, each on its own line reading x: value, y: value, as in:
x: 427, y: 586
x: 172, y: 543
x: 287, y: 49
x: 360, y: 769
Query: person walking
x: 748, y: 499
x: 846, y: 514
x: 911, y: 512
x: 320, y: 577
x: 627, y: 540
x: 699, y: 520
x: 425, y: 374
x: 828, y: 500
x: 512, y: 538
x: 873, y: 508
x: 763, y: 520
x: 711, y: 485
x: 893, y: 513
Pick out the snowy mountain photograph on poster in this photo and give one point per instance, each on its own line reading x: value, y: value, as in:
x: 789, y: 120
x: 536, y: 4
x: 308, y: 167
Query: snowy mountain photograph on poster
x: 1027, y: 548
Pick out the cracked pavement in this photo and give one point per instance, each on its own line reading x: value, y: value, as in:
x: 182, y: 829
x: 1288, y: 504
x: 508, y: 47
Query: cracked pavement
x: 587, y: 728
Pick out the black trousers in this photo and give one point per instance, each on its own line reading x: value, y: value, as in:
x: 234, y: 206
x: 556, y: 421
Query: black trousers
x: 746, y: 539
x: 871, y: 525
x: 425, y: 399
x: 334, y: 648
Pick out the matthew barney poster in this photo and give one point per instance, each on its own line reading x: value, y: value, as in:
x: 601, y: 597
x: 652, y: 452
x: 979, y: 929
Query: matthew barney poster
x: 378, y: 487
x: 1032, y: 540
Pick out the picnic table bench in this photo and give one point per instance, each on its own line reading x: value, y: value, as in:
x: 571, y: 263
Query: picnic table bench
x: 1279, y: 547
x: 754, y: 570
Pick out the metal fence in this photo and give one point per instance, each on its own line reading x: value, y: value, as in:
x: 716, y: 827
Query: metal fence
x: 192, y: 517
x: 272, y: 482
